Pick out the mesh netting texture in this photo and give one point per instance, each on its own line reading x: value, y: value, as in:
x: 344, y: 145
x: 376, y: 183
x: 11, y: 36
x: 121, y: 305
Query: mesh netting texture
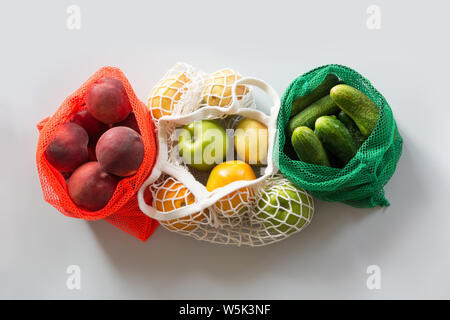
x: 360, y: 183
x: 264, y: 209
x: 184, y: 89
x: 122, y: 209
x: 259, y: 215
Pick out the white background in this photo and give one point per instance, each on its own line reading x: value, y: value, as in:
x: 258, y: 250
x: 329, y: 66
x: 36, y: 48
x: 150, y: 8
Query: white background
x: 42, y: 62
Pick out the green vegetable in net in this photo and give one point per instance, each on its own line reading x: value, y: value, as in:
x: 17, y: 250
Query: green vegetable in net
x: 360, y: 183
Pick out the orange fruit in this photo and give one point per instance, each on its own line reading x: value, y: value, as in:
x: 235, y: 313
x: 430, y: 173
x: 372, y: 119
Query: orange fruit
x: 226, y: 173
x: 165, y: 95
x: 217, y: 91
x: 173, y: 195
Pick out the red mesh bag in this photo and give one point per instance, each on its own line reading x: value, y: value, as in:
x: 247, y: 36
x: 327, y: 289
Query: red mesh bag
x: 122, y: 209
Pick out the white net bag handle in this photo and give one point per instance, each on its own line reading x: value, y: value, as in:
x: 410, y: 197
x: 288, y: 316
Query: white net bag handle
x: 203, y: 197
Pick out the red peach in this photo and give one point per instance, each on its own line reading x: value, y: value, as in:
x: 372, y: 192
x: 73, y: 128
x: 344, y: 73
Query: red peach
x: 107, y: 101
x: 120, y: 151
x: 68, y: 149
x: 93, y: 127
x: 90, y: 187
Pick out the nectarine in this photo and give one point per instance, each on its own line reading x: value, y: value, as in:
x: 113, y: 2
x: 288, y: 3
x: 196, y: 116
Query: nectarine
x: 120, y: 151
x: 107, y: 101
x: 90, y: 187
x: 68, y: 149
x: 93, y: 127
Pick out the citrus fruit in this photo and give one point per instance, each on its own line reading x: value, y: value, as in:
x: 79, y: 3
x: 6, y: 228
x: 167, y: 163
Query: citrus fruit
x: 165, y: 95
x: 285, y: 208
x: 226, y: 173
x: 173, y: 195
x: 217, y: 91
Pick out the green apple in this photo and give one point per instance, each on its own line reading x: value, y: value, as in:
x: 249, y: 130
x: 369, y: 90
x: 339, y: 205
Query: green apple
x: 285, y: 208
x: 203, y: 144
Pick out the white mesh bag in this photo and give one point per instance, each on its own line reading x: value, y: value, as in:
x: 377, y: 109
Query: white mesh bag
x: 247, y: 212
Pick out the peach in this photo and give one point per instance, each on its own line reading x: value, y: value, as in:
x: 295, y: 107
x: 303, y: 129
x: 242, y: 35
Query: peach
x: 90, y: 187
x: 68, y: 149
x: 120, y: 151
x: 129, y: 122
x: 93, y: 127
x: 107, y: 101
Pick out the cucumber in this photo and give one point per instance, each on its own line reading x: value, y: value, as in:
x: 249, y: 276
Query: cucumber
x: 336, y: 138
x: 320, y: 91
x: 352, y: 128
x: 308, y: 147
x: 363, y: 111
x: 307, y: 117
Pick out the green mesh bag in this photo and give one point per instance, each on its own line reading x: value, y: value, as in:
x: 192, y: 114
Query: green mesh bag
x: 360, y: 183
